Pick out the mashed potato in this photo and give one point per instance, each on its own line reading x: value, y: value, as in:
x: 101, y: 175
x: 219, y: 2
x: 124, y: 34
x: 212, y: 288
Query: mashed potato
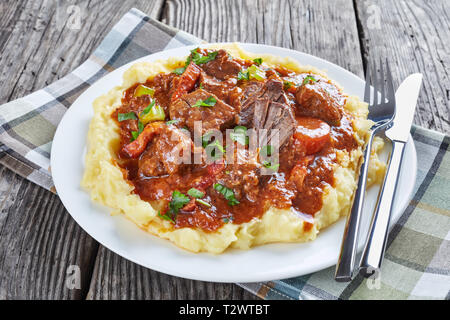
x: 103, y: 178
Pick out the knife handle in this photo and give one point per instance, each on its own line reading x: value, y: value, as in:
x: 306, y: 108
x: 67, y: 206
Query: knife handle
x: 346, y: 262
x: 373, y: 253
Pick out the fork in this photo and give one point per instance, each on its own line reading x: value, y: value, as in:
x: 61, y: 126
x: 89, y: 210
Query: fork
x: 381, y: 112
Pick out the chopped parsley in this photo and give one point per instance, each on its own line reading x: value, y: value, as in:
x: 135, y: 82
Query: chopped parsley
x: 147, y: 109
x: 240, y: 135
x: 309, y: 79
x: 258, y: 61
x: 243, y: 75
x: 227, y: 193
x: 206, y: 138
x: 179, y: 71
x: 195, y: 193
x: 135, y: 134
x: 178, y: 201
x: 165, y: 216
x: 287, y: 85
x: 208, y: 102
x: 198, y: 58
x: 215, y: 150
x: 217, y: 144
x: 126, y: 116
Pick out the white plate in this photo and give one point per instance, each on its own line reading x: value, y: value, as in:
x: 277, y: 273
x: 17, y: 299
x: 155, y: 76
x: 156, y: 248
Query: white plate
x: 263, y: 263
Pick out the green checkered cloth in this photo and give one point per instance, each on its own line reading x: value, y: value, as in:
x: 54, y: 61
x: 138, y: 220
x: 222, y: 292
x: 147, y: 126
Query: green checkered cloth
x: 417, y: 262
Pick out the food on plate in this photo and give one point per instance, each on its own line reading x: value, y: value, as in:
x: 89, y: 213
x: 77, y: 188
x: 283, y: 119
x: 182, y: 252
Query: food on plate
x: 228, y: 149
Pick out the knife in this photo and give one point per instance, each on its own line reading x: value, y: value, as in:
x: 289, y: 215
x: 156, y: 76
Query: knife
x: 406, y: 99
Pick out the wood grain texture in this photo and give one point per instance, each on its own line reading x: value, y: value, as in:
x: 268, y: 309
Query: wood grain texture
x: 297, y: 25
x: 117, y: 278
x: 323, y: 28
x: 38, y: 242
x: 415, y: 36
x: 38, y: 238
x: 40, y: 41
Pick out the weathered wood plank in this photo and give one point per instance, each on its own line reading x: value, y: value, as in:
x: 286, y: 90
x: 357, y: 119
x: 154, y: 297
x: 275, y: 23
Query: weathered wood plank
x: 326, y: 29
x: 41, y: 41
x: 310, y: 26
x: 38, y: 238
x: 415, y: 36
x: 117, y: 278
x: 38, y: 242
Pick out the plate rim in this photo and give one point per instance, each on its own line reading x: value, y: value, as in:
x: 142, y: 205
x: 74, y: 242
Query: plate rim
x: 262, y: 276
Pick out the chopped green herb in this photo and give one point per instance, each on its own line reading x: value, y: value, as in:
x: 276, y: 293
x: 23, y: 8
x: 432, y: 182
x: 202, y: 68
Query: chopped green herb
x: 200, y: 59
x: 179, y: 200
x: 243, y: 75
x: 226, y: 220
x: 240, y: 135
x: 227, y: 172
x: 273, y: 167
x: 147, y: 109
x: 287, y: 85
x: 217, y: 144
x: 195, y: 193
x: 179, y: 71
x: 201, y: 85
x: 308, y: 79
x: 172, y: 121
x: 135, y: 134
x: 215, y: 150
x: 208, y: 102
x: 206, y: 138
x: 203, y: 202
x: 258, y: 61
x: 227, y: 193
x: 126, y: 116
x: 165, y: 216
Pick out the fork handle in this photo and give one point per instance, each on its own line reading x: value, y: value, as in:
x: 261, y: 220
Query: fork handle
x: 347, y: 256
x: 373, y: 253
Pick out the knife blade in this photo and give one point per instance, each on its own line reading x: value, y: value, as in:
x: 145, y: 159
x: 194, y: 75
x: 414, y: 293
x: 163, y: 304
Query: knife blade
x: 406, y: 100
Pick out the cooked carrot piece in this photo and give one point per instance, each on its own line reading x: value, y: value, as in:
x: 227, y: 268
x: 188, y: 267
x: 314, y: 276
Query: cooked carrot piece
x: 186, y: 81
x: 312, y: 133
x: 135, y: 148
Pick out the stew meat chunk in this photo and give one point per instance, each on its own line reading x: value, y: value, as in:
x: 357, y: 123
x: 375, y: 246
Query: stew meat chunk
x: 222, y: 67
x: 166, y: 153
x: 321, y: 100
x: 189, y: 109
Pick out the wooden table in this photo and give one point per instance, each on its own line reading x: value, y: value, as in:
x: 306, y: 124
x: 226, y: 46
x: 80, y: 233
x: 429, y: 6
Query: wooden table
x: 38, y: 44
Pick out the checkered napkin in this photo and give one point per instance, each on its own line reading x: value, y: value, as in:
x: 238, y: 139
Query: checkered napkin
x: 417, y: 261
